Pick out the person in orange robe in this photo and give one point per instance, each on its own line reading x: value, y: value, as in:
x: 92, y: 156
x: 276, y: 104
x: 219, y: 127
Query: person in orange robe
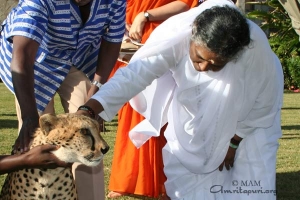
x: 140, y: 171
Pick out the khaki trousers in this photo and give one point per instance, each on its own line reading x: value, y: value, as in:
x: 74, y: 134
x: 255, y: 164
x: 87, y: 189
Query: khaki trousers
x: 292, y: 8
x: 73, y: 93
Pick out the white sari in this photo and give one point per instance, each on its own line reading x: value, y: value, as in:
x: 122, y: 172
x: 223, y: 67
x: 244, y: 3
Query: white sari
x: 204, y: 110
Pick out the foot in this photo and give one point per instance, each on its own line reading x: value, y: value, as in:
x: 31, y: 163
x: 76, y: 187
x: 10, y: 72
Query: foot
x: 113, y: 194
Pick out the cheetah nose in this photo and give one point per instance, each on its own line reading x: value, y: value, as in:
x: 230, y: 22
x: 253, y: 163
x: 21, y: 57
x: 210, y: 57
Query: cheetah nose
x: 105, y: 150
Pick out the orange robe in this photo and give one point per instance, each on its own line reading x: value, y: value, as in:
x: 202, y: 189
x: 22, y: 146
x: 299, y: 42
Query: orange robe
x: 138, y: 171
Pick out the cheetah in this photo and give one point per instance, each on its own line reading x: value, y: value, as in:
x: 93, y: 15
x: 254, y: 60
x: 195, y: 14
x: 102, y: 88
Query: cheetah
x: 79, y: 140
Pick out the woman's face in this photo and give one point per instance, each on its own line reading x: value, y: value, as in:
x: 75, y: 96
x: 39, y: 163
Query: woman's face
x: 205, y: 60
x: 81, y: 2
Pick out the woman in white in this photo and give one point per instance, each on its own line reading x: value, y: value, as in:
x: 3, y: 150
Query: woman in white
x: 211, y: 74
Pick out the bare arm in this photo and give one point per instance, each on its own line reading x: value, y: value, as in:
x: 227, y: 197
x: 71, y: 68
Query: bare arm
x: 38, y: 157
x: 168, y: 10
x: 156, y: 14
x: 94, y: 105
x: 22, y: 68
x: 108, y: 55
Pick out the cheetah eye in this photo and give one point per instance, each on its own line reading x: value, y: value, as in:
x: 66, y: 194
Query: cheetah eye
x: 85, y: 131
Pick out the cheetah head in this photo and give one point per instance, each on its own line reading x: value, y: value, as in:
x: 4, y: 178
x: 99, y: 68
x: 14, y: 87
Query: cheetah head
x: 78, y: 137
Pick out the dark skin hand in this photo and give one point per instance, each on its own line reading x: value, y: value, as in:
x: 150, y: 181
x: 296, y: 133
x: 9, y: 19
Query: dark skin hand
x: 22, y: 69
x: 229, y: 158
x: 37, y: 157
x: 28, y: 127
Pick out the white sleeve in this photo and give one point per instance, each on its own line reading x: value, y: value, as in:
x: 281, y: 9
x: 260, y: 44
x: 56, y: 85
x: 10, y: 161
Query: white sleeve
x: 132, y: 79
x: 264, y: 108
x: 263, y: 86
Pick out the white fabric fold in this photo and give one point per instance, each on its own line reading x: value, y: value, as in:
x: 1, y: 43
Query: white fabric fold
x: 152, y: 103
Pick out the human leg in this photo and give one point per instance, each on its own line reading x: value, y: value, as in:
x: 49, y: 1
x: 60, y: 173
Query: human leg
x: 73, y: 90
x: 136, y: 171
x: 89, y: 180
x: 49, y: 109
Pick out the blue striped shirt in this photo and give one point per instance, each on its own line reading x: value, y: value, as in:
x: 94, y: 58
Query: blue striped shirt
x: 64, y: 40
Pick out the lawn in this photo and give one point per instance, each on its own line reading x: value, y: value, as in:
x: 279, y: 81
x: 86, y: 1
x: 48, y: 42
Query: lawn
x: 288, y: 163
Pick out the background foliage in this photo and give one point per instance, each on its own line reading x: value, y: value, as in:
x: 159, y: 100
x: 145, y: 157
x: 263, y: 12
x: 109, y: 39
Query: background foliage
x: 282, y: 37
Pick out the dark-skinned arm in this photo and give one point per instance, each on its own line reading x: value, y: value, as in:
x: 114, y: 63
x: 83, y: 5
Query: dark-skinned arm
x: 37, y: 157
x: 94, y: 105
x: 22, y: 69
x: 108, y: 55
x: 229, y: 158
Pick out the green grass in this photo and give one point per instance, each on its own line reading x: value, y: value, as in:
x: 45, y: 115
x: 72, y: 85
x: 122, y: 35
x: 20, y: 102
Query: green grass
x: 288, y: 163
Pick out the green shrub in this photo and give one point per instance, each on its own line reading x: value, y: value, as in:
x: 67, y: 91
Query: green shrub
x: 282, y: 37
x: 293, y: 65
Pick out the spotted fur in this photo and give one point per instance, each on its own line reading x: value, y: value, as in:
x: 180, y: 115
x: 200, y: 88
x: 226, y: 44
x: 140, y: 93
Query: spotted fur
x: 79, y: 140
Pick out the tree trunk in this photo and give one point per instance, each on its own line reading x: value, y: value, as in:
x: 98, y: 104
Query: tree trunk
x: 241, y: 4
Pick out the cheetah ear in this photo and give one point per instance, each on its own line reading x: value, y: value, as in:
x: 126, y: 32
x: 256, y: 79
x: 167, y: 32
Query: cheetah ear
x: 47, y: 122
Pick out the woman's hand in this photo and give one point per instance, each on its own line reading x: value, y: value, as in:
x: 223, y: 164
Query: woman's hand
x: 137, y: 27
x: 229, y: 159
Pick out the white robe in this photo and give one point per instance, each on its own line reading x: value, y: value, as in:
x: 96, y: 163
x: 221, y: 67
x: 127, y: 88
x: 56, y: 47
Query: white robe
x: 204, y: 110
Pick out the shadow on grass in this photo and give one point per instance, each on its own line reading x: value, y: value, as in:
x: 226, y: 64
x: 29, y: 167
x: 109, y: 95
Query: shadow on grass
x: 293, y: 127
x: 113, y: 124
x: 8, y: 123
x: 290, y: 108
x: 288, y: 185
x: 8, y: 115
x: 291, y: 138
x: 114, y: 120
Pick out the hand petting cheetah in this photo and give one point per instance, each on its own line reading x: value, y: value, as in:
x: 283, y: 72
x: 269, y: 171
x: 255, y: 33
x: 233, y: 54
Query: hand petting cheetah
x: 80, y: 141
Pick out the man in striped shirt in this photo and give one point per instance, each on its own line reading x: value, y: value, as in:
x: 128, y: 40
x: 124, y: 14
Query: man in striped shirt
x: 49, y: 47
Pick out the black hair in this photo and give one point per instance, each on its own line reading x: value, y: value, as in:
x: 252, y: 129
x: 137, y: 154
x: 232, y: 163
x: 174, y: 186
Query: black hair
x: 223, y: 30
